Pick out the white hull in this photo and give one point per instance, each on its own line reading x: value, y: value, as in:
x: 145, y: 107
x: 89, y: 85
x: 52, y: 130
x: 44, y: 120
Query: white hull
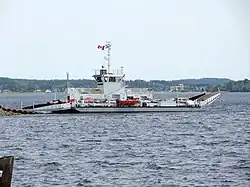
x: 72, y: 108
x: 53, y: 108
x: 137, y: 109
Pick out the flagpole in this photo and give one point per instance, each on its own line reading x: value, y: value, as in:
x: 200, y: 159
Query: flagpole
x: 108, y: 47
x: 108, y: 54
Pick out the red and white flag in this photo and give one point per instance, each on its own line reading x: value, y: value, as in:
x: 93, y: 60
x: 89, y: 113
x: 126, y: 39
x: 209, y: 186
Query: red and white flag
x: 101, y: 47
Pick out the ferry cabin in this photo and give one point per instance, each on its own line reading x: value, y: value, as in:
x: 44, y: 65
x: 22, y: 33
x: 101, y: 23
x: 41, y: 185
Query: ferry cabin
x: 110, y: 86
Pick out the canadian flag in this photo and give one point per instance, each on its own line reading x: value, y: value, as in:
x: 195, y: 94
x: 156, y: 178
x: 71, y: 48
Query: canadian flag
x: 101, y: 47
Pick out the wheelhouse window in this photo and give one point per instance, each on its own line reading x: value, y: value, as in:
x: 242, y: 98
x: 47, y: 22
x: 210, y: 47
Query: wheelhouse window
x: 112, y: 79
x: 98, y: 79
x: 103, y: 71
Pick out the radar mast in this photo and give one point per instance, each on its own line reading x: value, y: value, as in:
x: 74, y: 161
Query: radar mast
x: 107, y: 55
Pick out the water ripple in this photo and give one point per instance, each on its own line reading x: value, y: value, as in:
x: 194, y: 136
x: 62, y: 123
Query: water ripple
x: 177, y: 149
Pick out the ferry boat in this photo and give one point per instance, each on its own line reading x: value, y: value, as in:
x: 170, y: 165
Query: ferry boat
x: 112, y: 96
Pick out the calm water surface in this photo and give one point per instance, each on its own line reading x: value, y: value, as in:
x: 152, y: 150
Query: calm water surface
x: 208, y: 148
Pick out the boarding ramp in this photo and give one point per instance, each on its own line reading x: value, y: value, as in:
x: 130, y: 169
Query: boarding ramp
x: 209, y: 98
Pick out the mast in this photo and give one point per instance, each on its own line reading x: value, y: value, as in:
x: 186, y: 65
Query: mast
x: 107, y: 56
x: 67, y: 81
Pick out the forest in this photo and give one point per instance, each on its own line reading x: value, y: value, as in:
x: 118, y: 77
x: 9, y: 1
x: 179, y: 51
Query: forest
x: 204, y: 84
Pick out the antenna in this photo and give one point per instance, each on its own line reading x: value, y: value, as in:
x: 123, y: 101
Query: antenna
x: 67, y: 82
x: 107, y: 56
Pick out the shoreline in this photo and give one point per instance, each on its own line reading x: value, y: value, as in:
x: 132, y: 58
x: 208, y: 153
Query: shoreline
x: 10, y: 93
x: 19, y: 92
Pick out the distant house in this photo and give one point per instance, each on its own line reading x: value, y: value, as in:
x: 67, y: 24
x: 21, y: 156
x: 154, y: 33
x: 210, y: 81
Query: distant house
x: 177, y: 88
x: 38, y: 91
x: 200, y: 88
x: 48, y: 91
x: 6, y: 91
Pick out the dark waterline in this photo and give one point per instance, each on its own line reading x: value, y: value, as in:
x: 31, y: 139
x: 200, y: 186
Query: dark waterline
x: 208, y: 148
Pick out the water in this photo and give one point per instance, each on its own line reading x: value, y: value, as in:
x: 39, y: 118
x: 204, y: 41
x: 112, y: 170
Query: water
x: 208, y: 148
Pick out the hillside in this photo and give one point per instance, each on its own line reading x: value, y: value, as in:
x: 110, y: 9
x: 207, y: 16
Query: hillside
x: 209, y: 84
x: 203, y: 81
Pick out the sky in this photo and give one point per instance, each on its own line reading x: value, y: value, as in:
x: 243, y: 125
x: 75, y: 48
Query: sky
x: 151, y: 39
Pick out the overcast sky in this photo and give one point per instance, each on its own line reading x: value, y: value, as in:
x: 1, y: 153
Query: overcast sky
x: 152, y: 39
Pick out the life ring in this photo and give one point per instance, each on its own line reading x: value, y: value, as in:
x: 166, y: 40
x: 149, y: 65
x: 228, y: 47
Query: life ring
x: 128, y: 91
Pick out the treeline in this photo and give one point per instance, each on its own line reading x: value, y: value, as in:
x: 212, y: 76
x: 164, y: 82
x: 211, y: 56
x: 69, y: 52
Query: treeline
x: 208, y: 84
x: 189, y: 84
x: 30, y: 85
x: 237, y: 86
